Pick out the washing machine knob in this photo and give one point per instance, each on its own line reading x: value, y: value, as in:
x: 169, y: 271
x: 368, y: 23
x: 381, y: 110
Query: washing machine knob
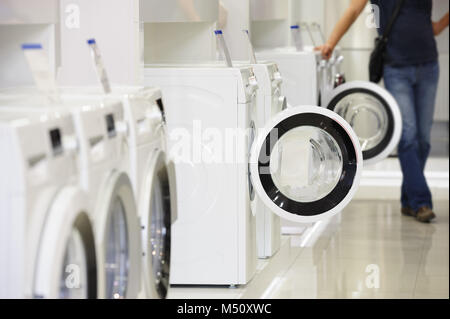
x: 70, y: 143
x: 252, y: 86
x: 277, y: 79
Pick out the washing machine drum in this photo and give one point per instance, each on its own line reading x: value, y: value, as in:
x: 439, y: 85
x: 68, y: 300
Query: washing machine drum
x: 66, y: 263
x: 157, y: 218
x: 373, y: 114
x: 306, y: 164
x: 118, y: 240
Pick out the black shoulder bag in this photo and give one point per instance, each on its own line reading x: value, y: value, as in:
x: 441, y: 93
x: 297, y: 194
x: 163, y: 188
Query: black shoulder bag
x: 376, y: 63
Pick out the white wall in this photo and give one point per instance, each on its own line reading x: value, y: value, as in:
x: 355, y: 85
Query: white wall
x: 22, y: 21
x: 130, y: 33
x: 115, y: 26
x: 308, y: 11
x: 178, y: 31
x: 442, y: 99
x: 270, y: 23
x: 181, y: 42
x: 238, y: 19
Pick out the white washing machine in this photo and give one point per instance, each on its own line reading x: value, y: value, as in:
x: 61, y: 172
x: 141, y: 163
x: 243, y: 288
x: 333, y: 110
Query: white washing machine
x: 152, y: 177
x: 103, y: 165
x: 213, y: 239
x: 372, y: 112
x: 299, y: 74
x: 46, y: 237
x: 303, y: 72
x: 269, y: 102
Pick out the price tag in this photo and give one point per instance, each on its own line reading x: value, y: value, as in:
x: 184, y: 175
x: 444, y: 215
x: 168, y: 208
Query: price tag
x: 250, y: 47
x: 99, y: 66
x: 224, y: 47
x: 297, y: 37
x: 39, y: 65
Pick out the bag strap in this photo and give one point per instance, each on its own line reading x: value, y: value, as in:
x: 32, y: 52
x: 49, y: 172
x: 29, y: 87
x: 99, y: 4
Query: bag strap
x: 394, y: 16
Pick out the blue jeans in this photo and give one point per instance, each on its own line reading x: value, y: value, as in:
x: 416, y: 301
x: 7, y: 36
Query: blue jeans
x: 414, y: 88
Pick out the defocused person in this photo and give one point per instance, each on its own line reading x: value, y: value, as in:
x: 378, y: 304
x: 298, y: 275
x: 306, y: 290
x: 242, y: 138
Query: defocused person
x: 411, y: 74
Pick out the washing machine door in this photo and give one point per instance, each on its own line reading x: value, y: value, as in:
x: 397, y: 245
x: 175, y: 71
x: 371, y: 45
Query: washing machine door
x: 118, y: 240
x: 373, y: 114
x: 66, y: 260
x: 155, y: 207
x: 251, y: 191
x: 306, y: 164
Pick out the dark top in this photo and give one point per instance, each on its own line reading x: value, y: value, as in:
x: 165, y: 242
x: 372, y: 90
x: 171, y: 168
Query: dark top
x: 411, y: 40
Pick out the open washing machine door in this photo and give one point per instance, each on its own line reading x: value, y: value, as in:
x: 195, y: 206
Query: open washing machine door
x: 156, y: 222
x: 118, y: 240
x: 373, y: 114
x: 306, y: 164
x: 66, y: 264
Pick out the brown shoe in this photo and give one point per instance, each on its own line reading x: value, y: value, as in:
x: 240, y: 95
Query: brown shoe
x: 408, y: 211
x: 425, y: 214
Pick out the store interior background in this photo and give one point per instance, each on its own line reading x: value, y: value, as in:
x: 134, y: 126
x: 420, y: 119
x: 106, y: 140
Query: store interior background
x: 356, y: 45
x: 332, y: 259
x: 383, y: 179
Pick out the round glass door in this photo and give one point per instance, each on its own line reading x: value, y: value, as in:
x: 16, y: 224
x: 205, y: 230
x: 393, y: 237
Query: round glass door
x: 78, y: 273
x: 156, y: 217
x: 117, y: 252
x: 367, y: 116
x: 118, y: 239
x: 306, y: 164
x: 372, y: 113
x: 67, y: 263
x: 160, y: 232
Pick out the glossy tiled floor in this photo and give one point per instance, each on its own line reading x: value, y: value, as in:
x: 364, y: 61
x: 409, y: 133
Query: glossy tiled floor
x: 368, y: 251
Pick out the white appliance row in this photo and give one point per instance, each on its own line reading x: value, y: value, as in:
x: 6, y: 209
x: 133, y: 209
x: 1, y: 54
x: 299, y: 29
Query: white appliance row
x: 304, y: 163
x: 87, y: 195
x: 301, y: 163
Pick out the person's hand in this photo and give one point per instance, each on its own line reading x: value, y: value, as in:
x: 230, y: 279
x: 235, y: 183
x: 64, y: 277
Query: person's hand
x: 435, y: 28
x: 326, y: 50
x: 440, y: 25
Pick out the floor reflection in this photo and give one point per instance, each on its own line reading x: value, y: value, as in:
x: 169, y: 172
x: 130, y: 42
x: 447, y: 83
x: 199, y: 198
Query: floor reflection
x: 368, y: 251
